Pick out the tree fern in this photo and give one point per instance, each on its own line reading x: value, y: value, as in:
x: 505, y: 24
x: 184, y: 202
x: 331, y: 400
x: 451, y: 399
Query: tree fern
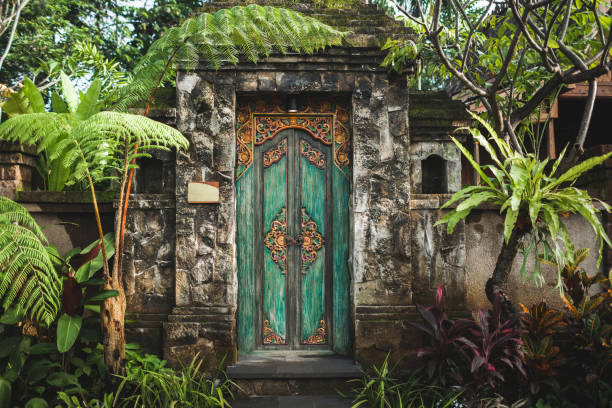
x: 28, y: 279
x: 225, y: 37
x: 91, y: 145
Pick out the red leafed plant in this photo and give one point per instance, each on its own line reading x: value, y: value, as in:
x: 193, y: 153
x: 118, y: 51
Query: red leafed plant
x: 443, y: 356
x: 494, y: 345
x: 477, y: 353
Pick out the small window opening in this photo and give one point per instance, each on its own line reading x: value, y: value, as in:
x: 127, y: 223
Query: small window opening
x: 433, y: 175
x: 150, y: 175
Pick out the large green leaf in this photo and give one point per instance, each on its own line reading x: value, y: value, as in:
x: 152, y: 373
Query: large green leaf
x: 17, y: 104
x: 475, y: 165
x: 36, y: 403
x: 105, y: 294
x: 70, y: 94
x: 87, y: 270
x: 37, y: 104
x: 475, y: 200
x: 577, y: 170
x: 5, y: 393
x: 89, y: 102
x: 57, y: 104
x: 68, y: 328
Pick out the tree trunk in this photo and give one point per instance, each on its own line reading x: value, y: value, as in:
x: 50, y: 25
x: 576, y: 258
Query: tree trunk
x: 113, y: 308
x: 503, y: 266
x: 113, y: 334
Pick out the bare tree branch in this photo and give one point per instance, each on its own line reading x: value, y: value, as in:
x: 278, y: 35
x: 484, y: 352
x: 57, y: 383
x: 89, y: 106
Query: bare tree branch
x: 9, y: 43
x: 586, y: 115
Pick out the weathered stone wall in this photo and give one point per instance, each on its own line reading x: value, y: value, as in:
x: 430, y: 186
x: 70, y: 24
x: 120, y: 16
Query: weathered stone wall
x: 483, y: 241
x: 68, y: 217
x: 382, y: 269
x: 148, y: 268
x: 17, y: 168
x: 437, y: 257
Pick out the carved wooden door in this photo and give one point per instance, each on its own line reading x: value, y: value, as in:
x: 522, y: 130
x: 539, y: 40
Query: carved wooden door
x: 295, y: 305
x: 292, y: 246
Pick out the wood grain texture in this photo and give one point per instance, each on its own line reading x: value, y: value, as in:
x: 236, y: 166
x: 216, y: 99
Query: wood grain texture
x: 341, y: 300
x: 313, y: 282
x: 244, y: 237
x: 274, y: 282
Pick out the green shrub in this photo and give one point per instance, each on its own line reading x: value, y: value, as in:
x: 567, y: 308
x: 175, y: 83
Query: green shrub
x: 382, y: 389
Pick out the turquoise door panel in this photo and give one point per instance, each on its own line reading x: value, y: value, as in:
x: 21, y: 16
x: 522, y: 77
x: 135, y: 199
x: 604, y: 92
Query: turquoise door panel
x: 313, y: 163
x: 275, y: 258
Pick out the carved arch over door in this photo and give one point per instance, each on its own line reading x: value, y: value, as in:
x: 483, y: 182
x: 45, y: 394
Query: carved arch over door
x: 292, y: 189
x: 326, y: 120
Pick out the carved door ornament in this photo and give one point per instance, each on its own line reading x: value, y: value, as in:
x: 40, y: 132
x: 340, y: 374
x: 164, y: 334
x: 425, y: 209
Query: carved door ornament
x: 261, y: 120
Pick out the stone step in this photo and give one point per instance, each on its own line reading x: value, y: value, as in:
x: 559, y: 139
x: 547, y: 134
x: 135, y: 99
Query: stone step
x: 323, y: 401
x: 306, y: 373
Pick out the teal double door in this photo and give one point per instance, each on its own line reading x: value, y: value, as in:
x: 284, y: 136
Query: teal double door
x: 292, y: 247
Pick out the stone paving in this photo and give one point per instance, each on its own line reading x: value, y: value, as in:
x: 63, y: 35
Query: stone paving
x: 302, y: 401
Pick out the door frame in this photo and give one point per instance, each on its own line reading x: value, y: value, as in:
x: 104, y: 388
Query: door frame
x: 329, y: 124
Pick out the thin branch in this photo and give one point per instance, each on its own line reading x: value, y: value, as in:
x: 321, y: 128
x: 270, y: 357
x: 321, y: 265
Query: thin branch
x: 509, y: 56
x: 606, y: 49
x: 436, y: 40
x: 12, y: 36
x: 468, y: 43
x: 409, y: 16
x: 586, y: 115
x: 566, y: 20
x: 557, y: 80
x: 515, y: 141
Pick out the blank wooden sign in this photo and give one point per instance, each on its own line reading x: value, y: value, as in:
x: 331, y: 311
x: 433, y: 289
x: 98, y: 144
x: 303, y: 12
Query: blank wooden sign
x: 203, y: 192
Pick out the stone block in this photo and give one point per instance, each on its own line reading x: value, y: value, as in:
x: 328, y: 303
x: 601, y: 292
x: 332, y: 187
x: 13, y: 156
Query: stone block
x: 8, y: 188
x: 181, y: 334
x: 298, y: 82
x: 246, y: 82
x: 266, y: 81
x: 15, y: 172
x: 402, y: 236
x: 346, y: 82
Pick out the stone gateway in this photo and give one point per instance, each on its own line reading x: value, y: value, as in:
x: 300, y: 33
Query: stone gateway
x: 331, y: 176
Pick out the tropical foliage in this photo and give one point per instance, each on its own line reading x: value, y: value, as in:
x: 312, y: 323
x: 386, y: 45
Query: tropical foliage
x: 92, y: 142
x: 509, y: 56
x: 532, y: 195
x: 28, y: 279
x: 150, y: 383
x: 478, y: 354
x: 225, y: 37
x: 52, y: 36
x: 38, y: 355
x: 383, y: 388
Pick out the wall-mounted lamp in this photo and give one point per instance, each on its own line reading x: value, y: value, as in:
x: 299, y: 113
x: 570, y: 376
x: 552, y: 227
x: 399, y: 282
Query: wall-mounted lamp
x: 291, y: 104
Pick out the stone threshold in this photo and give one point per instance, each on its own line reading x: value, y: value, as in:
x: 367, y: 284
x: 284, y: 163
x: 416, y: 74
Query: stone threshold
x: 297, y: 401
x: 293, y: 365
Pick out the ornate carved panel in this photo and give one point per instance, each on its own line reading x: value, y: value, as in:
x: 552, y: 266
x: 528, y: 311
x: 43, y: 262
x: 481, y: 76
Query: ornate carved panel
x: 312, y: 241
x: 319, y: 336
x: 275, y: 154
x: 311, y: 154
x: 326, y: 120
x: 269, y: 337
x: 275, y: 240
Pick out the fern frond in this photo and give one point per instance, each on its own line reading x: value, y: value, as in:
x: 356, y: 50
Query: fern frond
x: 250, y: 32
x: 28, y: 279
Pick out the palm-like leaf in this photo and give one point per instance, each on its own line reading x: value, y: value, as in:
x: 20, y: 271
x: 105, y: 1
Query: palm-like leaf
x: 521, y: 185
x: 89, y: 146
x: 225, y: 37
x: 28, y: 279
